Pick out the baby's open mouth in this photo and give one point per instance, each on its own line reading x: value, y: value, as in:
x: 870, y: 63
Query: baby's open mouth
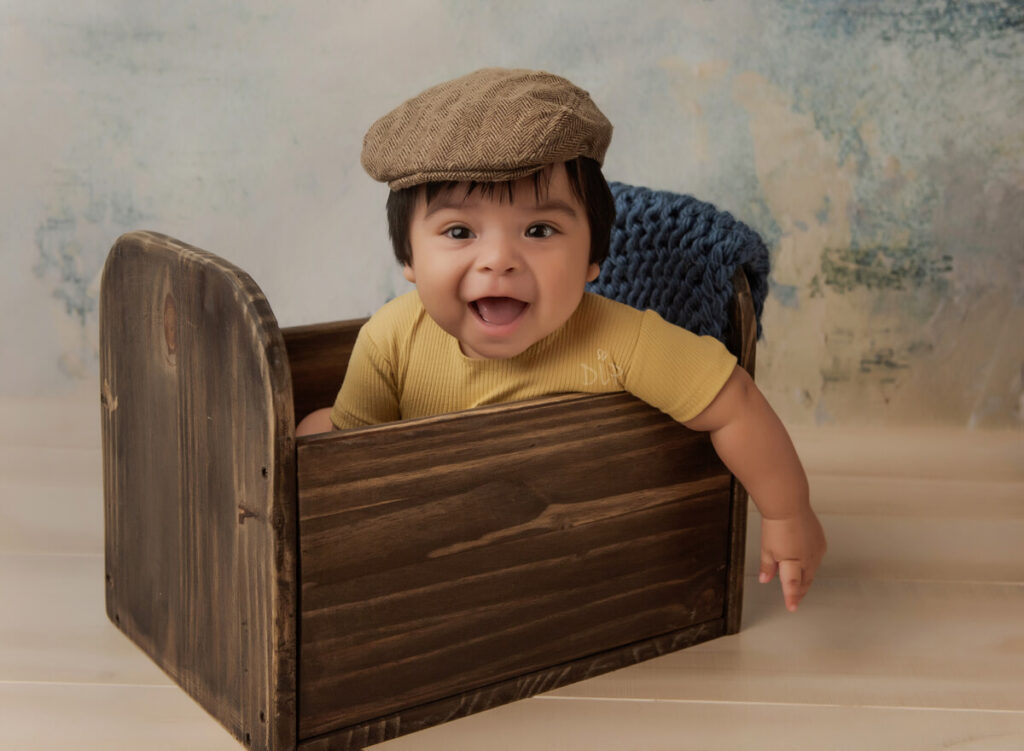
x: 498, y: 311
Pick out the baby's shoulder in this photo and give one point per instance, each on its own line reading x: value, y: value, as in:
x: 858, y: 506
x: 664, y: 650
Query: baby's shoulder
x: 613, y: 313
x: 628, y: 327
x: 600, y: 325
x: 388, y: 329
x: 396, y: 313
x: 606, y: 305
x: 598, y: 312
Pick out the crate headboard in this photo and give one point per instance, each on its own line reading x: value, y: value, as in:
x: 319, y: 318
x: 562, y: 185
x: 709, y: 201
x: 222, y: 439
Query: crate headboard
x: 199, y: 476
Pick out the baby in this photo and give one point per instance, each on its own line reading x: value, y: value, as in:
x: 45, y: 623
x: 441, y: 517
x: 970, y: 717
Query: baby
x: 500, y: 215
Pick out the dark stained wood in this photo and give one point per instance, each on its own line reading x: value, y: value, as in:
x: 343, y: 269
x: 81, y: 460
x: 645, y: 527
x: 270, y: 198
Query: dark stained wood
x: 447, y: 554
x: 199, y: 481
x: 318, y: 355
x: 742, y: 343
x: 521, y: 687
x: 742, y: 322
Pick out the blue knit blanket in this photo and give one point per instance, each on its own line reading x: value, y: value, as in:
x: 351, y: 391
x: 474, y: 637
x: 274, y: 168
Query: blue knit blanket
x: 677, y: 255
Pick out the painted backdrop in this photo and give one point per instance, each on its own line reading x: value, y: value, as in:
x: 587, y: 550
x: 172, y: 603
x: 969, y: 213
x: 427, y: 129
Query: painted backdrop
x: 878, y: 146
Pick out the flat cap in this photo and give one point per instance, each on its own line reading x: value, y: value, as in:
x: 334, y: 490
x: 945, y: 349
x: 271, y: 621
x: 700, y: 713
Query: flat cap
x: 492, y: 125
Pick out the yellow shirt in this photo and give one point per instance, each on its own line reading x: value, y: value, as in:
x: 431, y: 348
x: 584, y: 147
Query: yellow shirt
x: 404, y: 365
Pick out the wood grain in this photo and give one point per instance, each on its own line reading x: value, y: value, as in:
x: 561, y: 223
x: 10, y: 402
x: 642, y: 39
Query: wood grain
x: 445, y: 555
x: 199, y: 481
x: 521, y: 687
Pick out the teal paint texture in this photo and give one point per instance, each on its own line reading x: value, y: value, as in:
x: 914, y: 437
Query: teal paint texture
x: 876, y: 145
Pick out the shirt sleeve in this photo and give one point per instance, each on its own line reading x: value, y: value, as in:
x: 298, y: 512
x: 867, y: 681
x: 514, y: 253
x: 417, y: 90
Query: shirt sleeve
x: 675, y: 370
x: 369, y: 394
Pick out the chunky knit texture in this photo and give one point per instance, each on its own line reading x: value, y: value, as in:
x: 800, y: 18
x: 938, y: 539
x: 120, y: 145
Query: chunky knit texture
x: 677, y: 255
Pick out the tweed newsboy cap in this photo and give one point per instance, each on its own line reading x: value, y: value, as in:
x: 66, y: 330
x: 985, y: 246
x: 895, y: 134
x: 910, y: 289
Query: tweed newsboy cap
x: 492, y: 125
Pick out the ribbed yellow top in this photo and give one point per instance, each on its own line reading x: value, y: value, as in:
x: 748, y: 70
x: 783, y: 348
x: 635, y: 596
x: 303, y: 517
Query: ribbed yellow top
x: 404, y: 365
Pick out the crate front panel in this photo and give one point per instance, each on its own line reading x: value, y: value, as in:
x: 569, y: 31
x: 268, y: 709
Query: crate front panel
x: 446, y: 555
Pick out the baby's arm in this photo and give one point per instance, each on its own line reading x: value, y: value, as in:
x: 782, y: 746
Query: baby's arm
x: 318, y: 421
x: 751, y: 440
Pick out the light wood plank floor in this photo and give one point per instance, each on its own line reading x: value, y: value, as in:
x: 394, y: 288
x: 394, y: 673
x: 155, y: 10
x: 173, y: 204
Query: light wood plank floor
x: 912, y: 638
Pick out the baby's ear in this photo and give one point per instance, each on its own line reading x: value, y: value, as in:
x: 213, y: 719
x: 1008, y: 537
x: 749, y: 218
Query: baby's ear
x: 408, y: 273
x: 593, y: 272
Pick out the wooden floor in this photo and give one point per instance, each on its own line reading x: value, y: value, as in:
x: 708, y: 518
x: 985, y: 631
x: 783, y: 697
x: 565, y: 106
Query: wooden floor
x: 912, y: 637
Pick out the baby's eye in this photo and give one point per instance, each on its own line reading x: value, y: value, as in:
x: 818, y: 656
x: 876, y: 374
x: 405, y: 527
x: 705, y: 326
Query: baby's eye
x: 540, y: 230
x: 458, y: 233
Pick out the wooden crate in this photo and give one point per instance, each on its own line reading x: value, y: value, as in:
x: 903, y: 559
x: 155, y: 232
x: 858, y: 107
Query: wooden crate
x: 336, y: 591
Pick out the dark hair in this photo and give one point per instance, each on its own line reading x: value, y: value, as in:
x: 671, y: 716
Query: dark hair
x: 585, y: 179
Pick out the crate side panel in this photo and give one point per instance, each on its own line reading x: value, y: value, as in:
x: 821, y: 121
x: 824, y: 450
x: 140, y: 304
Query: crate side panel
x: 200, y: 571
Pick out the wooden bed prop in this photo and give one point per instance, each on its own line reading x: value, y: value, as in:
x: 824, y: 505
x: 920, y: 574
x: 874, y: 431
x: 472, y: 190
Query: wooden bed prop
x: 336, y: 591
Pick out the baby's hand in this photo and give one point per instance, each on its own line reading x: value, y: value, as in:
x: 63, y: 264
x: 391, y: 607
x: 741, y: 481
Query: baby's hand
x: 793, y: 547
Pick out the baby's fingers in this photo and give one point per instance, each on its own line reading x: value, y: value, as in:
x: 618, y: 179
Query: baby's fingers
x: 768, y: 567
x: 791, y: 578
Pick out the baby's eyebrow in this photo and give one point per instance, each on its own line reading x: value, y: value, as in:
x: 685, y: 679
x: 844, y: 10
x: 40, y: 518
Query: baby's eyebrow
x: 550, y: 204
x: 439, y: 204
x: 555, y: 204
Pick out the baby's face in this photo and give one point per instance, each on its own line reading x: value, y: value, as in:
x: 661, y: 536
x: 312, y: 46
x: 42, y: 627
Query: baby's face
x: 500, y: 276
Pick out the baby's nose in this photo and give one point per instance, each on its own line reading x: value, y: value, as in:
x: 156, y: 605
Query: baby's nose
x: 499, y: 256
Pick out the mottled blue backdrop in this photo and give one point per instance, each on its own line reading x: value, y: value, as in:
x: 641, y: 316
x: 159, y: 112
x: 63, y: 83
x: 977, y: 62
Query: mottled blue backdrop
x: 877, y: 146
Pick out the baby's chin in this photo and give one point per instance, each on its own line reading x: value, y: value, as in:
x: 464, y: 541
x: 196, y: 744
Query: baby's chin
x: 504, y: 351
x: 479, y: 342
